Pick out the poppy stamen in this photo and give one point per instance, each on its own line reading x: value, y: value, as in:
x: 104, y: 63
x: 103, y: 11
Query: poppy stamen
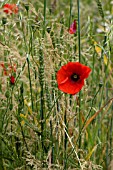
x: 75, y: 77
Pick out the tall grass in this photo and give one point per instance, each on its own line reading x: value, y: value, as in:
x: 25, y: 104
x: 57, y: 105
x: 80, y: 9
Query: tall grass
x: 41, y: 127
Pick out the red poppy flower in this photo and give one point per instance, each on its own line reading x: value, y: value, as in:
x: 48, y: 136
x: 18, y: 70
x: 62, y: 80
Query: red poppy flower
x: 4, y: 69
x: 12, y: 80
x: 2, y: 64
x: 10, y: 8
x: 73, y: 28
x: 9, y: 69
x: 70, y: 77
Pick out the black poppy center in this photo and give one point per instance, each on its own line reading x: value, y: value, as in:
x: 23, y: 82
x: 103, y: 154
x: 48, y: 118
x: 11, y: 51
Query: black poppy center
x: 75, y: 77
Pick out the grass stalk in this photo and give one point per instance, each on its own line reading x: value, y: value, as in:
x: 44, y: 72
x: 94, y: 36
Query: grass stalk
x: 44, y: 22
x: 52, y: 146
x: 78, y: 139
x: 41, y: 79
x: 30, y: 84
x: 70, y: 13
x: 65, y: 136
x: 1, y: 150
x: 23, y: 136
x: 111, y: 132
x: 88, y: 113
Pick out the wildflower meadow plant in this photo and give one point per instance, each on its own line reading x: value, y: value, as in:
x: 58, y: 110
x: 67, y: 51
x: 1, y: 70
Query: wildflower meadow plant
x: 71, y: 77
x: 12, y: 80
x: 10, y: 8
x: 56, y: 92
x: 73, y: 28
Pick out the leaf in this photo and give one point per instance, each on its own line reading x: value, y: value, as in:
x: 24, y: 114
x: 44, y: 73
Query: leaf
x: 29, y: 109
x: 23, y: 117
x: 90, y: 153
x: 94, y: 116
x: 22, y: 123
x: 107, y: 62
x: 98, y: 49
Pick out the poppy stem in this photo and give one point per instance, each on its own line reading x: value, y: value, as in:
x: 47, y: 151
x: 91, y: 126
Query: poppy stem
x: 79, y: 50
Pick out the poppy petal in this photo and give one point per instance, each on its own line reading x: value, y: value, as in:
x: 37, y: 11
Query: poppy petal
x: 78, y: 68
x: 71, y: 88
x: 73, y: 28
x: 10, y: 8
x: 61, y: 75
x: 12, y: 80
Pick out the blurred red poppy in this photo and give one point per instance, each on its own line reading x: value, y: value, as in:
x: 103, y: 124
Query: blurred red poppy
x: 10, y: 8
x: 73, y: 28
x: 9, y: 69
x: 4, y: 69
x: 70, y: 77
x: 12, y: 68
x: 12, y: 80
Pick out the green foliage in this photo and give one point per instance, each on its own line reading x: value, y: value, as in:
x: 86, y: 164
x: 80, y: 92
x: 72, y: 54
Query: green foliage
x: 41, y: 127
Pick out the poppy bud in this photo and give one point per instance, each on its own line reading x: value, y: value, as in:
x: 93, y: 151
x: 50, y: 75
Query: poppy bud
x: 11, y: 106
x: 100, y: 84
x: 7, y: 94
x: 27, y: 7
x: 4, y: 20
x: 12, y: 80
